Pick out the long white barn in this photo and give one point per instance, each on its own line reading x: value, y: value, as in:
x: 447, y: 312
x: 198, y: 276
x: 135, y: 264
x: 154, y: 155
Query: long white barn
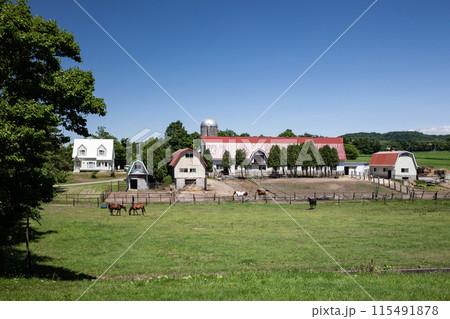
x: 93, y: 155
x: 258, y: 148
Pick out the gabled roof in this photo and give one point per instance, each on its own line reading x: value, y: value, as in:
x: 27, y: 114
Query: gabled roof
x: 177, y: 155
x: 388, y: 158
x: 92, y: 146
x: 218, y: 144
x: 133, y: 164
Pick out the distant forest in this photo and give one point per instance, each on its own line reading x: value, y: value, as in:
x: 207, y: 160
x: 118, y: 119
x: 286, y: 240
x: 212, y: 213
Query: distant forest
x: 368, y: 143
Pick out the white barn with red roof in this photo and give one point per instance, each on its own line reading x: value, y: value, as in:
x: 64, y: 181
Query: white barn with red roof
x: 187, y: 167
x: 394, y: 164
x: 258, y: 148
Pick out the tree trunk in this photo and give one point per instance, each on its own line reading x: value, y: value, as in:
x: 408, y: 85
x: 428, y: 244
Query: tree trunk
x: 27, y: 239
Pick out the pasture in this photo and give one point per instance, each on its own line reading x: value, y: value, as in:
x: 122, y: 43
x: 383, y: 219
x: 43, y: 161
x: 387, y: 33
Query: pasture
x: 236, y: 251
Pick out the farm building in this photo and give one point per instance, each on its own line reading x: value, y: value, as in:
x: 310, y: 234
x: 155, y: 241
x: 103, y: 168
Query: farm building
x: 256, y: 148
x: 394, y: 164
x: 353, y: 168
x: 93, y: 155
x: 188, y: 167
x: 137, y: 175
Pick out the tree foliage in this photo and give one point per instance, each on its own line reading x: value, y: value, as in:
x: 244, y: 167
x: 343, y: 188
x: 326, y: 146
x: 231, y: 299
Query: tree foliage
x: 179, y: 137
x: 274, y: 157
x: 227, y: 132
x: 287, y: 133
x: 241, y: 159
x: 351, y: 151
x: 36, y: 96
x: 226, y: 161
x: 208, y: 160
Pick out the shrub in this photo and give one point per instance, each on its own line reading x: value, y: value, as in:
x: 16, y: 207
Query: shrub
x: 94, y: 174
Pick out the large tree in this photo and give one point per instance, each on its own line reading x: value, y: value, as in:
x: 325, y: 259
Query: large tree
x: 226, y: 161
x: 274, y: 158
x: 179, y: 137
x: 351, y: 151
x: 36, y: 96
x: 241, y: 159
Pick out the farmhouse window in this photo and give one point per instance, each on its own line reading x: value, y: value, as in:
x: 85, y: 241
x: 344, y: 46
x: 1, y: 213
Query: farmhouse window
x: 193, y: 170
x: 101, y: 152
x: 82, y: 152
x: 405, y: 170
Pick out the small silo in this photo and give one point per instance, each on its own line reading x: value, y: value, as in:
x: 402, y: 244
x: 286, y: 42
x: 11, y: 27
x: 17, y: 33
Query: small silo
x: 209, y: 128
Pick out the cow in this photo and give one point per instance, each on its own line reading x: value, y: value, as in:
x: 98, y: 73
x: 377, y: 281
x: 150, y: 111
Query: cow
x: 117, y: 207
x: 312, y: 202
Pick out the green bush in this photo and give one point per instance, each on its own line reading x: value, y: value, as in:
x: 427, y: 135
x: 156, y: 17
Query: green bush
x: 113, y: 174
x: 168, y: 180
x: 94, y: 174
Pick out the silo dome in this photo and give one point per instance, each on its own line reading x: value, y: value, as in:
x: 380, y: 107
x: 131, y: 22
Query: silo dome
x: 208, y: 127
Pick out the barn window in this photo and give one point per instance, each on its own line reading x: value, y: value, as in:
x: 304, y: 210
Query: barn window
x: 137, y: 166
x: 374, y: 169
x: 405, y: 170
x: 189, y: 155
x: 183, y: 170
x: 384, y: 169
x: 193, y: 170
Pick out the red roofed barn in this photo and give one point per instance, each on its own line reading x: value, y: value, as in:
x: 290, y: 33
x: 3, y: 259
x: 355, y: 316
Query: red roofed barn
x: 187, y: 167
x: 394, y: 164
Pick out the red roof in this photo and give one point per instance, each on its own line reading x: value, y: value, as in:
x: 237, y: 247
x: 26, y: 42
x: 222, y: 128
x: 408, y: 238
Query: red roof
x: 218, y: 144
x: 385, y: 158
x: 281, y: 140
x: 176, y: 156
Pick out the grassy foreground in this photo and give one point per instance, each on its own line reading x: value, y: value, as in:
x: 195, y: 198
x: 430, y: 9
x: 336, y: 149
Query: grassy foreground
x: 237, y: 252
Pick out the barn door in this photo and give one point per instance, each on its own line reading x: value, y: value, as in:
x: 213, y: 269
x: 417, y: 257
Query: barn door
x: 133, y: 184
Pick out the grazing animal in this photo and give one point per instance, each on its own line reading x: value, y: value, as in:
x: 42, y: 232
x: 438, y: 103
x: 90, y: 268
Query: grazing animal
x: 117, y: 207
x: 312, y: 202
x: 261, y: 192
x: 136, y: 207
x: 240, y: 193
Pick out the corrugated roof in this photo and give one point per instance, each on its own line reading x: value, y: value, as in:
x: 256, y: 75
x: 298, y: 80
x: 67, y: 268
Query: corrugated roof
x: 385, y: 158
x: 217, y: 145
x: 176, y: 156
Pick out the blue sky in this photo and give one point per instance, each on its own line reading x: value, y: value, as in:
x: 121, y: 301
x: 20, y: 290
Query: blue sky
x: 229, y: 60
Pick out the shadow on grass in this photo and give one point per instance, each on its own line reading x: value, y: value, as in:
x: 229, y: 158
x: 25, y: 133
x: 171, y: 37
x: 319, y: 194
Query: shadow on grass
x: 12, y: 260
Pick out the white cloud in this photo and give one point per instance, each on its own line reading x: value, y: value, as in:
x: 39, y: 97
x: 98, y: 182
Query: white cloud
x: 440, y: 130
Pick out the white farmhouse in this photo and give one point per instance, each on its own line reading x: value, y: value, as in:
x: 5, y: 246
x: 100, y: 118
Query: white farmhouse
x: 93, y: 155
x: 188, y: 167
x: 394, y: 164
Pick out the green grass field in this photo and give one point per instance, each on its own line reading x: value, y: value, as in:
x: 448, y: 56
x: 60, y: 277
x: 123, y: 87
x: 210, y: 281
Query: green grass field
x: 237, y: 252
x: 435, y: 159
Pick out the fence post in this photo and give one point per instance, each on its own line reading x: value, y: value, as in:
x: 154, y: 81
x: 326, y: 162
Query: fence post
x: 266, y: 199
x: 290, y: 200
x: 353, y: 195
x: 214, y: 197
x: 218, y: 200
x: 193, y: 196
x: 97, y: 202
x: 73, y: 201
x: 294, y: 196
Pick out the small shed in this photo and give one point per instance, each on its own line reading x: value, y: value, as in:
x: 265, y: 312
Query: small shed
x: 187, y: 167
x: 394, y: 164
x: 137, y: 176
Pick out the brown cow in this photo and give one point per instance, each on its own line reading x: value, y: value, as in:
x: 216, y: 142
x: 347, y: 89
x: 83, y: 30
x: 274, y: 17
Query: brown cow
x: 117, y: 207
